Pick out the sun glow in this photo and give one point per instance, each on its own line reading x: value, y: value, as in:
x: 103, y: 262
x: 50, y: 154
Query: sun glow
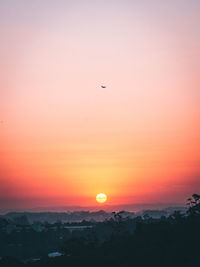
x: 101, y: 198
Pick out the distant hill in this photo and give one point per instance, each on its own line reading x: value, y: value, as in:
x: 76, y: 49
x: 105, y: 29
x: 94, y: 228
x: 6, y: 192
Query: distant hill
x: 24, y: 218
x: 108, y: 208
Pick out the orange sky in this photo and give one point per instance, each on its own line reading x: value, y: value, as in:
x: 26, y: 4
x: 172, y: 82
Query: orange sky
x: 63, y: 138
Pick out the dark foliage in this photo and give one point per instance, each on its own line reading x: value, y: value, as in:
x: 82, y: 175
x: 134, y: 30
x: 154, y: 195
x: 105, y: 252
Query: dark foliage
x: 165, y: 242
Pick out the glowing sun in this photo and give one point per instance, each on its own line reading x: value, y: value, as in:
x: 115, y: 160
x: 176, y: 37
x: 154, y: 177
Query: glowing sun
x: 101, y: 198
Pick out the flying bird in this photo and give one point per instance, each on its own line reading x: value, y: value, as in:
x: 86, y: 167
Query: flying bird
x: 103, y: 86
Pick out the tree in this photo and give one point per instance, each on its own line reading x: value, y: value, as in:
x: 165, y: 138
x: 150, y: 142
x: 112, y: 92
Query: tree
x: 194, y: 205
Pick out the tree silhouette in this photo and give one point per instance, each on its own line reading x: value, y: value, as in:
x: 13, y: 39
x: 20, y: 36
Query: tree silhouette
x: 194, y: 205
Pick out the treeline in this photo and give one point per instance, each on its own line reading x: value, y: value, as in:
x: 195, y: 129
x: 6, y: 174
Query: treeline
x: 166, y: 242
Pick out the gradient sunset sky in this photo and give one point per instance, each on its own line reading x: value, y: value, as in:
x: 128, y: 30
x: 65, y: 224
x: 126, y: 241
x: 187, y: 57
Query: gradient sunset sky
x: 63, y: 138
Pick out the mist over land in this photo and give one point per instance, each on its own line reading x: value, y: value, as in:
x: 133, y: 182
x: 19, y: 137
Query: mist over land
x: 109, y: 208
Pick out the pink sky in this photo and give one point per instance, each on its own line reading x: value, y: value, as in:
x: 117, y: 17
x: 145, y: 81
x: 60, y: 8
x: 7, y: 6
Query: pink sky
x: 63, y: 138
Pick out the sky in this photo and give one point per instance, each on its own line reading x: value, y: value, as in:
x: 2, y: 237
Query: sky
x: 63, y: 138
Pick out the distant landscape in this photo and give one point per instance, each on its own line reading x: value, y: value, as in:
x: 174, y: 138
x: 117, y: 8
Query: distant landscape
x: 59, y: 238
x: 109, y: 208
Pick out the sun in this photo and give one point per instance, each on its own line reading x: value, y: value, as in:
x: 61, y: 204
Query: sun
x: 101, y: 198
